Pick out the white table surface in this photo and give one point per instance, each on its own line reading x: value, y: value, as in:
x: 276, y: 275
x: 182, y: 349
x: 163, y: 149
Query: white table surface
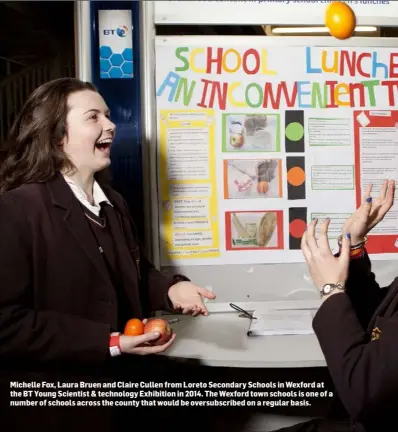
x: 220, y: 339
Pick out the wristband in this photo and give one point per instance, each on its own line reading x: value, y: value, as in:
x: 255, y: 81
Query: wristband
x: 114, y: 346
x: 353, y: 247
x: 355, y: 253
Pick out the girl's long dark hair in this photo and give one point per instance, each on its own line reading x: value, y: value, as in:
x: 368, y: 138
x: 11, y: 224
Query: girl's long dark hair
x: 32, y: 153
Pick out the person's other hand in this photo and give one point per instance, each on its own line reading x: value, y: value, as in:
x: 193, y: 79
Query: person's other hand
x: 140, y: 345
x: 370, y: 213
x: 188, y: 298
x: 323, y: 266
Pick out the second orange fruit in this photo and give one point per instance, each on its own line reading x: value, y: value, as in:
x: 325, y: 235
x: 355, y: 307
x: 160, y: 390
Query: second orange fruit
x: 134, y: 327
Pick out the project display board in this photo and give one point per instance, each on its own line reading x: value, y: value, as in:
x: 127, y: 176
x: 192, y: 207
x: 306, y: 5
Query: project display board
x: 256, y: 138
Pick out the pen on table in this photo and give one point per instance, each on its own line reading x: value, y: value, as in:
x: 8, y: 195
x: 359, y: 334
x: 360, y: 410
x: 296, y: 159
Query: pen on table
x: 242, y: 311
x: 173, y: 321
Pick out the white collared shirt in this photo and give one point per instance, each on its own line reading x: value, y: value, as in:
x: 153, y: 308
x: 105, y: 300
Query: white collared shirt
x: 98, y: 195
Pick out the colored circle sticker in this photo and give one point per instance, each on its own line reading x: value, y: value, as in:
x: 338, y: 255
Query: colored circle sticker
x: 297, y: 228
x: 294, y: 131
x: 296, y: 176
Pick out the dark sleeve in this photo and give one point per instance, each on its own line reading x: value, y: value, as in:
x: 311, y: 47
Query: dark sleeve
x: 364, y: 372
x: 28, y: 334
x: 363, y: 290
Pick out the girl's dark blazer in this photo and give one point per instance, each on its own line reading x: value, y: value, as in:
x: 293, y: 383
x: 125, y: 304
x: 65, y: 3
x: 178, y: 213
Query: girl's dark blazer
x: 358, y: 334
x: 56, y: 301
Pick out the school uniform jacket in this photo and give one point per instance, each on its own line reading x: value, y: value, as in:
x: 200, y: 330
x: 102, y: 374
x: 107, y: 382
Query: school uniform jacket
x: 56, y: 300
x: 358, y: 334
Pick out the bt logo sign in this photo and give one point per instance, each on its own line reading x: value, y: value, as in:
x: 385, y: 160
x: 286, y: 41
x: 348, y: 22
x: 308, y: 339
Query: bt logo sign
x: 121, y: 31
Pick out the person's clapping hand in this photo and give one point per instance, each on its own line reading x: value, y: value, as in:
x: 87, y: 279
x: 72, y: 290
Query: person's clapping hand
x: 324, y: 268
x: 370, y: 213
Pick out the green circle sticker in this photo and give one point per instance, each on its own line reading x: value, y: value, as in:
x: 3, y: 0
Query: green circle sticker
x: 294, y: 131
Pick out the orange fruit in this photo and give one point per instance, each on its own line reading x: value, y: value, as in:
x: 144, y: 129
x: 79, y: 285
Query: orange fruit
x: 340, y: 20
x: 262, y: 187
x: 134, y: 327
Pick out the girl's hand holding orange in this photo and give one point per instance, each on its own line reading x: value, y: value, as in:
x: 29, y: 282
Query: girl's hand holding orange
x: 136, y: 341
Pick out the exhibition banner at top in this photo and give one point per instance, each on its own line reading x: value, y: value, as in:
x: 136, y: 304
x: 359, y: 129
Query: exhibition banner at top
x: 263, y: 12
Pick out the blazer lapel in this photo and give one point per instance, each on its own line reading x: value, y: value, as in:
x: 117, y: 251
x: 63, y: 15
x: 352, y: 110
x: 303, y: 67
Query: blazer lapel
x: 67, y: 204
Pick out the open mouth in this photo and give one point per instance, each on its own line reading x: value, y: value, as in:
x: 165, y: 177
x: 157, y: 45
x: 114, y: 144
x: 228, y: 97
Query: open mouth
x: 104, y: 144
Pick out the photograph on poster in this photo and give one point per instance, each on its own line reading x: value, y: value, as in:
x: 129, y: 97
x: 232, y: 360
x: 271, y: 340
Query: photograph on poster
x: 251, y: 132
x: 253, y: 230
x: 252, y: 178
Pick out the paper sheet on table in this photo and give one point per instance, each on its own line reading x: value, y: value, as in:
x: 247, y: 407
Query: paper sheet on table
x: 281, y: 322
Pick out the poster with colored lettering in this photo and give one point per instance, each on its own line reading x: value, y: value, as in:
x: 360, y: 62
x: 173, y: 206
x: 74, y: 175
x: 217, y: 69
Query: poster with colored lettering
x: 256, y: 140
